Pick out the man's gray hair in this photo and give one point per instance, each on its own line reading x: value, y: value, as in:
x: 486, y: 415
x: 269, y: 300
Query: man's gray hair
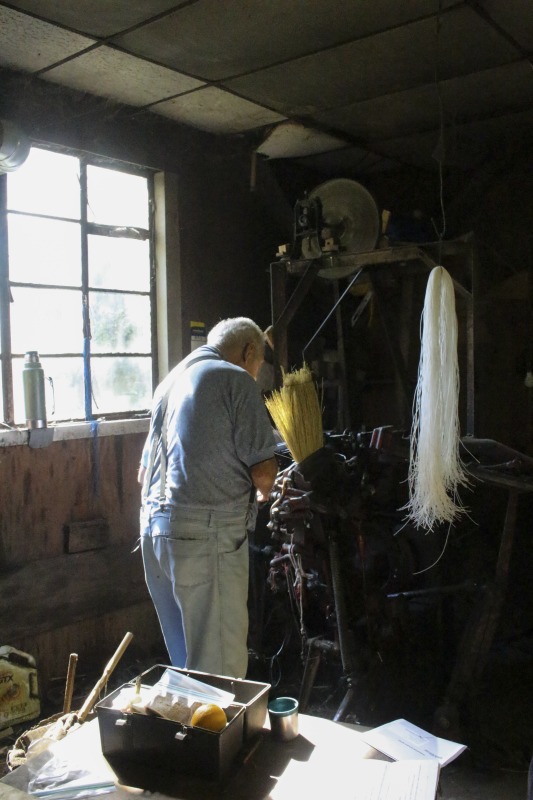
x: 236, y: 332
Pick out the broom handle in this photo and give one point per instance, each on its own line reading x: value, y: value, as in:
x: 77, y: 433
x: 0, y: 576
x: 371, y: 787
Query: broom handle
x: 69, y: 686
x: 112, y: 663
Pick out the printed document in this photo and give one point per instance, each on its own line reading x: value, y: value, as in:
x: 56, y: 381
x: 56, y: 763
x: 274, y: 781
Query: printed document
x: 402, y: 740
x: 362, y: 780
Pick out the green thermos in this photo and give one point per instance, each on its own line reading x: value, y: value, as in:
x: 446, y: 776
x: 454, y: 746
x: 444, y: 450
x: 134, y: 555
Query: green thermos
x: 33, y: 383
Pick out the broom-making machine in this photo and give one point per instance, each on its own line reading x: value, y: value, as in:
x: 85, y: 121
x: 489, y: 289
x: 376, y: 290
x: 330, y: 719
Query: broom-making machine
x: 340, y: 551
x: 395, y: 620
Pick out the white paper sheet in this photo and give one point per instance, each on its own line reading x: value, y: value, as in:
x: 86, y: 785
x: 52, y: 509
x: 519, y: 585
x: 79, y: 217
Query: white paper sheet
x: 402, y: 740
x: 361, y: 780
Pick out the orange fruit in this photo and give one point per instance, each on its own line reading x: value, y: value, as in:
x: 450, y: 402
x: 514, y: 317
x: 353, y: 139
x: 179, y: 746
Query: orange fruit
x: 209, y: 716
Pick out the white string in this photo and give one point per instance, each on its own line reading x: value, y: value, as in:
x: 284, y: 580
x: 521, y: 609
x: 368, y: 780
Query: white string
x: 435, y: 468
x: 431, y: 566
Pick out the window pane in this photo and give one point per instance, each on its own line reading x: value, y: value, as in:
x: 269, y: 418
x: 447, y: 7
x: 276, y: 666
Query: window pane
x: 64, y: 389
x: 121, y: 384
x: 120, y: 323
x: 46, y: 244
x: 46, y: 320
x: 44, y: 250
x: 119, y: 263
x: 116, y: 198
x: 47, y: 183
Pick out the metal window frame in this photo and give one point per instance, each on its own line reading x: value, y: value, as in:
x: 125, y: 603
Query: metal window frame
x: 86, y: 229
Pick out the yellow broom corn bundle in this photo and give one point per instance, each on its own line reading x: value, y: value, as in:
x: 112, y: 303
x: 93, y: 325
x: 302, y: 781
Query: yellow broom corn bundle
x: 296, y: 412
x: 435, y: 468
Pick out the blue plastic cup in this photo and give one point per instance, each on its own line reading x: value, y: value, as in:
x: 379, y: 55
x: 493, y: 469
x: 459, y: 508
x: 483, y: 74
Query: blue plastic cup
x: 283, y: 716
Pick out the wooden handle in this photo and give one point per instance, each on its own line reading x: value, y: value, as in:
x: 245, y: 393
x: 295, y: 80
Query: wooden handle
x: 112, y: 663
x: 69, y: 686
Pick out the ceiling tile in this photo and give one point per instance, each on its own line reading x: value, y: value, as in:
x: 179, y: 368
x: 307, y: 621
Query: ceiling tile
x: 515, y: 17
x: 465, y: 146
x: 490, y: 92
x: 207, y: 40
x: 315, y: 73
x: 398, y: 59
x: 121, y: 77
x: 417, y: 150
x: 214, y: 110
x: 351, y: 159
x: 387, y: 116
x: 29, y: 45
x: 501, y: 136
x: 99, y: 17
x: 289, y: 139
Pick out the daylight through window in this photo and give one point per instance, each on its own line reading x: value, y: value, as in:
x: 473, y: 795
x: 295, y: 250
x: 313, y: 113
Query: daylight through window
x: 79, y: 277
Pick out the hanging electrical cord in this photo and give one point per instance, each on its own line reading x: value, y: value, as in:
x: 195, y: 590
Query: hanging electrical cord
x: 440, y: 149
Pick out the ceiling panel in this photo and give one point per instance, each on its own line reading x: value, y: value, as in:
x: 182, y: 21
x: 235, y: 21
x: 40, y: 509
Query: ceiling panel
x: 97, y: 17
x: 502, y: 136
x: 482, y: 94
x: 419, y: 150
x: 214, y: 110
x: 121, y: 77
x: 207, y: 40
x: 398, y: 59
x: 515, y: 17
x: 289, y: 139
x: 350, y: 160
x: 466, y: 146
x: 29, y: 45
x: 353, y: 85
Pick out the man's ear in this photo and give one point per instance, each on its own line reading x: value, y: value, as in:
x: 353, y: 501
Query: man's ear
x: 248, y: 352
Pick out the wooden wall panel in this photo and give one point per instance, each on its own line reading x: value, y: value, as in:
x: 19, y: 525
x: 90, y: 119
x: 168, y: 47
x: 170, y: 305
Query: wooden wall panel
x: 43, y: 490
x: 53, y: 592
x: 95, y: 641
x: 55, y: 602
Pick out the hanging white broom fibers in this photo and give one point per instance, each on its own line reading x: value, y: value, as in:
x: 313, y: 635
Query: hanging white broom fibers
x: 435, y: 467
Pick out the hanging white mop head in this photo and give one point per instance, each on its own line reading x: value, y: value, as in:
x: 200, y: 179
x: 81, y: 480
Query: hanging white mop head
x: 435, y: 468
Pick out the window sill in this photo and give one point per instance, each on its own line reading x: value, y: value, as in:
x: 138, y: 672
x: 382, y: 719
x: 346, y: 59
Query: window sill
x: 63, y: 431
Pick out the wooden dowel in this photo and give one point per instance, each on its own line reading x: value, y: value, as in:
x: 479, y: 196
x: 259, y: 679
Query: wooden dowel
x: 112, y: 663
x: 69, y: 686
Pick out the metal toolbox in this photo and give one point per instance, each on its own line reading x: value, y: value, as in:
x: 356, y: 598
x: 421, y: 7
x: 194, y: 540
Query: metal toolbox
x: 149, y: 751
x: 251, y: 694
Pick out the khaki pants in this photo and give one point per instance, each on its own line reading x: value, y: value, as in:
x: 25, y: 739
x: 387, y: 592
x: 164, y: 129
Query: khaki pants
x: 196, y: 566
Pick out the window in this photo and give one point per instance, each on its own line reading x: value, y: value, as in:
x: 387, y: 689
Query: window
x: 79, y: 282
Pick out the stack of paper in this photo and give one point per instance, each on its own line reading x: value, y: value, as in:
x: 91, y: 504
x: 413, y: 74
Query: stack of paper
x: 349, y: 769
x: 361, y: 780
x: 402, y: 740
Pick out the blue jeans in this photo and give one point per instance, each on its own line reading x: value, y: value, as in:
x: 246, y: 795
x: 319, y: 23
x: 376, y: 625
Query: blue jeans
x: 196, y: 566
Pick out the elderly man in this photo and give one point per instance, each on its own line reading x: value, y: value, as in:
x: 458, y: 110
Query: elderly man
x: 210, y: 448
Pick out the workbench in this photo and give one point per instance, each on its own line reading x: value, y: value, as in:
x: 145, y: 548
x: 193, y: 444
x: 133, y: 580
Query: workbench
x: 325, y: 757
